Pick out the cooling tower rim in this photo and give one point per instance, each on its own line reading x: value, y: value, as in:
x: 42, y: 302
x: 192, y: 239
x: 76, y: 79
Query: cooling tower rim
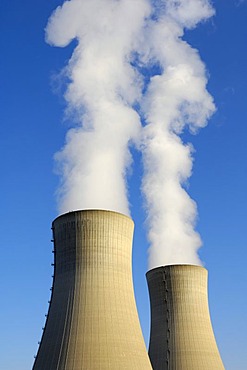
x: 91, y: 210
x: 175, y: 265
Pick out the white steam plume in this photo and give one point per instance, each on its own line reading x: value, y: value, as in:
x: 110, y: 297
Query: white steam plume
x: 103, y: 87
x: 120, y: 44
x: 175, y: 97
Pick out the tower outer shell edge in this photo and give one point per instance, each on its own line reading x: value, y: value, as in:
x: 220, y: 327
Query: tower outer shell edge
x: 92, y: 322
x: 181, y: 335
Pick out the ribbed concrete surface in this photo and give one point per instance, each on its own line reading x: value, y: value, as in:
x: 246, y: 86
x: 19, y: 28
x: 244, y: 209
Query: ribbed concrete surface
x: 181, y: 335
x: 92, y: 322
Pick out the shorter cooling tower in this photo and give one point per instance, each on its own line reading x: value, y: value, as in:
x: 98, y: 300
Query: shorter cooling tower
x: 92, y: 322
x: 181, y: 335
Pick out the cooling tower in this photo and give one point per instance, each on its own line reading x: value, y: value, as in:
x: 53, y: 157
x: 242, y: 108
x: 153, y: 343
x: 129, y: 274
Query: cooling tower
x: 92, y: 322
x: 181, y: 335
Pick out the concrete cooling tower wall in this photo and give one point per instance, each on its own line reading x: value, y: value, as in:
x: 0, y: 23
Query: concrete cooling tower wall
x: 92, y: 322
x: 181, y: 335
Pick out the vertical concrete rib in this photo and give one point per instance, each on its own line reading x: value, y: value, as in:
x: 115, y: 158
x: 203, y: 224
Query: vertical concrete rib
x: 181, y: 336
x: 92, y: 322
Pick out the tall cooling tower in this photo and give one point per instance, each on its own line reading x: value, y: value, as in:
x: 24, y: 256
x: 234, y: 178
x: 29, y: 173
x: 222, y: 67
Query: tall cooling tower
x: 92, y: 322
x: 181, y: 335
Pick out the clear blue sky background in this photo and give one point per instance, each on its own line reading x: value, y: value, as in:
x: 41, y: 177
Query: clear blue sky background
x: 32, y: 130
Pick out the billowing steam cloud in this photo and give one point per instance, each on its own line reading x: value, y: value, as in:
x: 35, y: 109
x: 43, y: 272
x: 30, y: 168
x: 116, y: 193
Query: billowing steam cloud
x: 175, y: 98
x: 131, y: 66
x: 103, y: 88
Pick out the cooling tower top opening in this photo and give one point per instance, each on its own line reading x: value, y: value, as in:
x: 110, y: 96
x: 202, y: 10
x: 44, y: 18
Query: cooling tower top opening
x: 95, y: 211
x: 181, y: 267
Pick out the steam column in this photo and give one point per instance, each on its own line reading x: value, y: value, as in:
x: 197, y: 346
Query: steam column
x: 181, y: 335
x: 92, y: 322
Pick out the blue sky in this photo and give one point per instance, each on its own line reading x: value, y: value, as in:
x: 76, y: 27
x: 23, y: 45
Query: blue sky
x: 33, y: 129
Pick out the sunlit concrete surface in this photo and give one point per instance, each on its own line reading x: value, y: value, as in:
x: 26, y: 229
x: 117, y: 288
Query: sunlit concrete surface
x: 92, y: 322
x: 181, y: 336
